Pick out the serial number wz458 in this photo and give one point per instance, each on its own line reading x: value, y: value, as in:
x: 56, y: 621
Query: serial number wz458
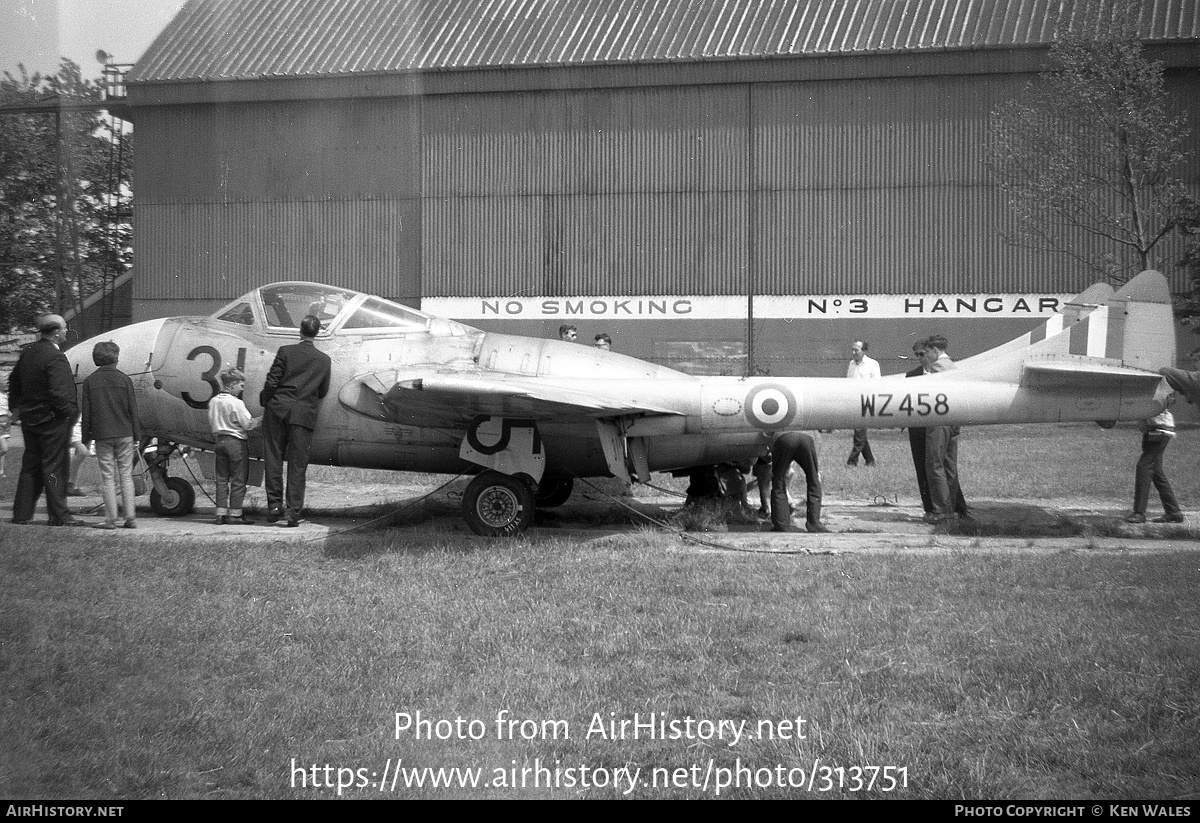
x: 904, y: 405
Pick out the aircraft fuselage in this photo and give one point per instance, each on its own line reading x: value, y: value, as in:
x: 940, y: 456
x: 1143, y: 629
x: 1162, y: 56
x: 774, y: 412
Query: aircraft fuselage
x: 175, y: 363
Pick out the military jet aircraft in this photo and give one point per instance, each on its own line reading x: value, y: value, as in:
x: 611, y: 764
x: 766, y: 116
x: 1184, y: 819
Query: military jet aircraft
x: 527, y: 416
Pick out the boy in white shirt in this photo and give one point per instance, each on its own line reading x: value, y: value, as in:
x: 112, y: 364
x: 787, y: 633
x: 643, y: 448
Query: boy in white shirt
x: 231, y: 421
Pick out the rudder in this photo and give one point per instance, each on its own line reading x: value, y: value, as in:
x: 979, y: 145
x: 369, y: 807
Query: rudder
x: 1141, y: 323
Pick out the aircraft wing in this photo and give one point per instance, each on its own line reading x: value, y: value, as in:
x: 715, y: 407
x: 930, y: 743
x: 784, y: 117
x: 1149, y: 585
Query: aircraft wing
x: 449, y: 398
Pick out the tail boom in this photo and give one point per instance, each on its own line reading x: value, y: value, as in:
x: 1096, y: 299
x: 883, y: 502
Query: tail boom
x: 932, y: 400
x: 1099, y: 363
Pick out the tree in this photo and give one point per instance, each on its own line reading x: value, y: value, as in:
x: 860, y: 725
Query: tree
x: 64, y: 196
x: 1090, y: 156
x: 1188, y: 226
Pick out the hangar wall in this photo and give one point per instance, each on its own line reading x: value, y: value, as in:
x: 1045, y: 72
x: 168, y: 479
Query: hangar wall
x: 831, y: 187
x: 822, y: 187
x: 230, y: 197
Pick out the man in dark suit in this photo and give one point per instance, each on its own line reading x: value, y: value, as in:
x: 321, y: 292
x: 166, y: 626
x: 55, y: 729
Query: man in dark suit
x: 941, y: 448
x: 916, y: 443
x: 916, y: 437
x: 42, y: 391
x: 296, y: 383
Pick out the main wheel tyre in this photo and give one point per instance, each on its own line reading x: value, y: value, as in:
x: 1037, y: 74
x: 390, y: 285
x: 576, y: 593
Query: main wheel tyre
x: 179, y: 500
x: 554, y: 490
x: 496, y: 505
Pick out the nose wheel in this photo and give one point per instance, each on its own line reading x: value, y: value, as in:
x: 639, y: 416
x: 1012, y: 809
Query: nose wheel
x: 179, y: 500
x: 171, y: 496
x: 496, y: 505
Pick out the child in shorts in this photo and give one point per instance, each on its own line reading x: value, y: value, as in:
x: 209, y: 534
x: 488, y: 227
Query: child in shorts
x: 80, y: 452
x: 231, y: 421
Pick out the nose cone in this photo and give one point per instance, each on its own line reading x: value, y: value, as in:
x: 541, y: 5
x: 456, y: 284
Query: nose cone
x: 136, y: 343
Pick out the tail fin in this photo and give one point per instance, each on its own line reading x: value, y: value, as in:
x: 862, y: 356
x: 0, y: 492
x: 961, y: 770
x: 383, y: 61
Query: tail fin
x: 1087, y: 301
x: 1073, y: 310
x: 1141, y: 323
x: 1129, y: 337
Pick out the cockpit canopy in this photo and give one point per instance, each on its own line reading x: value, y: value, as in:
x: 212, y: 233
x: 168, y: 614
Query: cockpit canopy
x: 280, y: 307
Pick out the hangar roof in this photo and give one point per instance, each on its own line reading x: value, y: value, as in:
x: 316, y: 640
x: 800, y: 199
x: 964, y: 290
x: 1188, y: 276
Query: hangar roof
x: 249, y: 39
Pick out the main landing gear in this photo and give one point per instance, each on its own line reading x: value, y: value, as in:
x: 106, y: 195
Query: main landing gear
x: 553, y: 490
x: 496, y: 505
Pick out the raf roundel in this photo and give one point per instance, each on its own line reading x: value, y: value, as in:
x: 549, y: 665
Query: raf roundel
x: 770, y: 406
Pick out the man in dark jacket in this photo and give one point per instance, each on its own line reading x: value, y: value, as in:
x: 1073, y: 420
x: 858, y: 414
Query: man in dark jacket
x: 42, y: 391
x: 801, y: 448
x: 916, y: 443
x: 296, y: 383
x: 941, y: 448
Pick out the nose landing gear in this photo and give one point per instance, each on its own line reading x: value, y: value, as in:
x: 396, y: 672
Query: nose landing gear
x: 171, y: 496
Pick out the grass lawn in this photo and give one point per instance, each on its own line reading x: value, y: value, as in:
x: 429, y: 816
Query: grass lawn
x: 194, y: 669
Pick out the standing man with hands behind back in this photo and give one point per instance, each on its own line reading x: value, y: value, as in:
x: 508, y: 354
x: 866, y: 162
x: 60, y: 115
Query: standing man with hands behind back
x: 296, y: 383
x: 42, y: 391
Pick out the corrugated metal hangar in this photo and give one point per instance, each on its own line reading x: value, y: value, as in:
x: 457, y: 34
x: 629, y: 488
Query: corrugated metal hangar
x: 718, y: 184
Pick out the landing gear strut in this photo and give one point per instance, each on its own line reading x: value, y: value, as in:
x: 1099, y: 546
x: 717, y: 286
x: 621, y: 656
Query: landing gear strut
x: 171, y: 496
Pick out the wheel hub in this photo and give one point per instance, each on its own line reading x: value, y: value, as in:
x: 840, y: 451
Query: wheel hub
x: 498, y: 507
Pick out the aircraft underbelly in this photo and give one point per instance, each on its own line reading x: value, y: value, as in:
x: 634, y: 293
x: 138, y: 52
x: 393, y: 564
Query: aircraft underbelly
x: 573, y: 450
x: 354, y: 440
x: 400, y: 457
x: 665, y: 453
x: 569, y: 451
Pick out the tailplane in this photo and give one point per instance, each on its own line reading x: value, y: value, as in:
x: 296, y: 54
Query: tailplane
x: 1130, y: 336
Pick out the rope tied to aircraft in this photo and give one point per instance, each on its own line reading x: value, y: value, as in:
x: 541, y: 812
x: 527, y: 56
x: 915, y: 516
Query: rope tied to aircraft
x: 687, y: 536
x: 385, y: 516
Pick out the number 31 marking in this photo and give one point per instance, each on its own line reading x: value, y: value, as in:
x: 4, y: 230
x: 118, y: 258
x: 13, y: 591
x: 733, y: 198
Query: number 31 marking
x: 210, y: 376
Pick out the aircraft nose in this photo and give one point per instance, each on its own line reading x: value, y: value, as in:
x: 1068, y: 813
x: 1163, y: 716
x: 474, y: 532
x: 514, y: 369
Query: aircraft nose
x: 136, y: 343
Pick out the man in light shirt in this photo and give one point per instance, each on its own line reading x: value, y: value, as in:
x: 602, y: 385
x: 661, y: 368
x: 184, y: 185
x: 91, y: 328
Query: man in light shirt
x: 1157, y: 434
x: 861, y: 367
